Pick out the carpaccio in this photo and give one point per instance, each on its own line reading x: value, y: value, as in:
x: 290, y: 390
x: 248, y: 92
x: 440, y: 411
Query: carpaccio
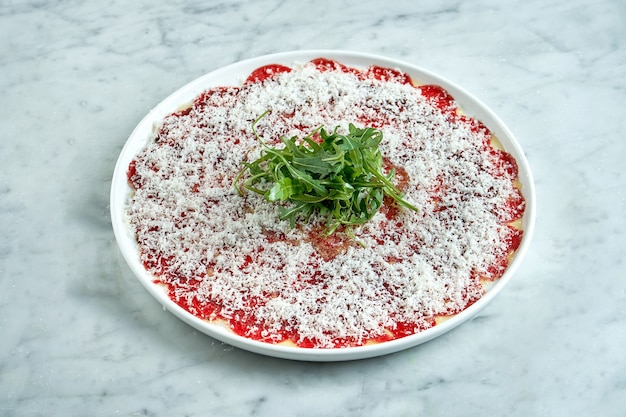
x: 227, y: 258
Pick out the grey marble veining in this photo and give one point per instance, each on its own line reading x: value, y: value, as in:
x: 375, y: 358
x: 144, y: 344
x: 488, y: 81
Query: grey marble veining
x: 79, y: 336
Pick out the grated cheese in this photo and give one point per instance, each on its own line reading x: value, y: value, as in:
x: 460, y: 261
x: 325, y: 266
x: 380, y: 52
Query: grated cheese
x: 210, y: 245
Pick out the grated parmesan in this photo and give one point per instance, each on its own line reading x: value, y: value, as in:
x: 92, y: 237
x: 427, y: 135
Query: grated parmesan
x: 211, y: 246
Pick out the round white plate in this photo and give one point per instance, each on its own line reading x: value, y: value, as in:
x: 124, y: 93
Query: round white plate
x: 236, y: 74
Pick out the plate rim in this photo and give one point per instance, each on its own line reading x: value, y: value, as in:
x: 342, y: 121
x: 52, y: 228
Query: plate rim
x: 236, y: 72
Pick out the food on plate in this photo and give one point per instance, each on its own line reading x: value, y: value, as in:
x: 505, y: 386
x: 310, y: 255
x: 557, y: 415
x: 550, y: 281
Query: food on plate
x: 241, y: 213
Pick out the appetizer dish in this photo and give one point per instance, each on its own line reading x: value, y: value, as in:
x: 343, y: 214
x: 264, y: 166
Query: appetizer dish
x: 322, y: 205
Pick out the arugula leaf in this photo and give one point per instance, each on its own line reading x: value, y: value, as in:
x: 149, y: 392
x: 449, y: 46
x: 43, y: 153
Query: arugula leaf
x: 340, y: 177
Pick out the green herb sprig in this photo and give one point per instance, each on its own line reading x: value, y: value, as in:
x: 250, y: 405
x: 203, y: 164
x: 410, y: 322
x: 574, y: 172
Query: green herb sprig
x: 339, y: 177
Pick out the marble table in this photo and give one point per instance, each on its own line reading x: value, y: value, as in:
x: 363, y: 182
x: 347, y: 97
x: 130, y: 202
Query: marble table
x: 79, y: 336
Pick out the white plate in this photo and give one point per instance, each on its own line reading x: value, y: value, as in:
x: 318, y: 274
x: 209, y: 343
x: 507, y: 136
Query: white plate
x: 235, y: 74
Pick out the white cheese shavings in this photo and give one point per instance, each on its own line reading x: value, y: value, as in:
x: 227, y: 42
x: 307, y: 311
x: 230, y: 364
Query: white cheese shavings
x: 199, y: 236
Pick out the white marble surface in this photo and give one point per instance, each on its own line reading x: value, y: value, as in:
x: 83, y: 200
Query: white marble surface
x: 79, y: 336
